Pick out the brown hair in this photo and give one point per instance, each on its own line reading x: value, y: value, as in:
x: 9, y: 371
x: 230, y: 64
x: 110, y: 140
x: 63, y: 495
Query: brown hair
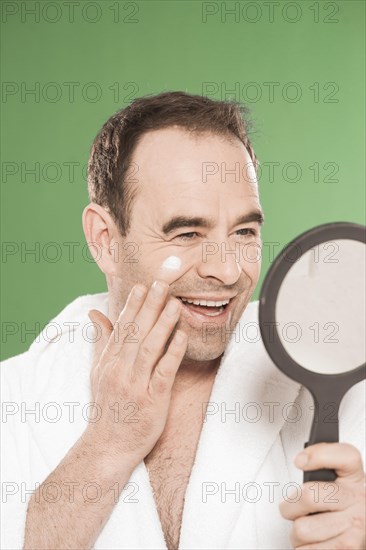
x: 113, y: 147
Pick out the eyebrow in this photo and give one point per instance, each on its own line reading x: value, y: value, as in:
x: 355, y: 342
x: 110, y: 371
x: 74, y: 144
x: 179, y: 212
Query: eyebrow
x: 178, y: 222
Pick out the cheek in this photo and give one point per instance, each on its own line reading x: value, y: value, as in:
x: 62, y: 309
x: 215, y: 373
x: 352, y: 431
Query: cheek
x: 256, y: 270
x: 172, y: 264
x: 168, y: 264
x: 251, y: 260
x: 175, y: 266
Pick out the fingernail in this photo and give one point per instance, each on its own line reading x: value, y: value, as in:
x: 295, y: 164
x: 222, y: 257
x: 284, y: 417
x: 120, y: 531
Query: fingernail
x: 158, y: 287
x: 301, y: 460
x: 172, y: 307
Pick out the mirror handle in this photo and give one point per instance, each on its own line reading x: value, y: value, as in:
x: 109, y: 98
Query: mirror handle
x: 325, y: 428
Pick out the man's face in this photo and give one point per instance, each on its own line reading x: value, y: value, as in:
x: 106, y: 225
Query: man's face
x: 194, y: 225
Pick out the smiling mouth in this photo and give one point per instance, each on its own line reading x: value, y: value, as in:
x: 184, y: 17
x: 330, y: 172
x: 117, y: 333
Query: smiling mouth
x: 211, y: 308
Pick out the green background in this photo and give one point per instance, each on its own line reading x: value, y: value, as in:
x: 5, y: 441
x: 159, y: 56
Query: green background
x: 137, y: 48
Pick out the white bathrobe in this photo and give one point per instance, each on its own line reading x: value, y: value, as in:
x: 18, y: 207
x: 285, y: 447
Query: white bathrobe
x: 257, y: 420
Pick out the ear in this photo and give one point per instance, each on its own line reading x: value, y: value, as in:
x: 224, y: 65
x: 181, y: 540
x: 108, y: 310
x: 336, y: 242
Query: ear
x: 102, y: 236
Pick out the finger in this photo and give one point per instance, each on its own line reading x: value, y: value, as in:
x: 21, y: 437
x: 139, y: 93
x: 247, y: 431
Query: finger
x: 112, y: 337
x: 347, y: 539
x: 145, y: 319
x: 318, y: 528
x: 152, y: 347
x: 314, y: 497
x: 121, y: 328
x: 344, y: 458
x: 163, y: 376
x: 103, y: 328
x: 127, y: 316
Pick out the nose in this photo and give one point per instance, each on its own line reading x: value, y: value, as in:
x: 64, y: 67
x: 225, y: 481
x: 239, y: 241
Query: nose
x: 220, y: 261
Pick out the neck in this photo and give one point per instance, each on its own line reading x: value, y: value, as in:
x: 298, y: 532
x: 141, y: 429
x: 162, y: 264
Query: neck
x: 193, y: 374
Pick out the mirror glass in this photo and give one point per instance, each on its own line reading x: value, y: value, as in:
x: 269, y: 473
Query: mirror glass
x: 320, y: 308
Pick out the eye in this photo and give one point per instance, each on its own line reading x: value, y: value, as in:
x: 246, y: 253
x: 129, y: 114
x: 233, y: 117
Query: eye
x: 247, y: 232
x: 187, y: 236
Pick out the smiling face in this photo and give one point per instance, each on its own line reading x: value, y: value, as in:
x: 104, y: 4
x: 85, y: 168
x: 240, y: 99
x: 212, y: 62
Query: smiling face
x: 196, y: 225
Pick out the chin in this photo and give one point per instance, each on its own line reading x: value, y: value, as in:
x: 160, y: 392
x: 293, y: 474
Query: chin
x: 204, y: 352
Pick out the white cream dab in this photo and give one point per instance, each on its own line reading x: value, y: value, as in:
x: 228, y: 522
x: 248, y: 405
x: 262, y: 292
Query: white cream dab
x: 172, y: 263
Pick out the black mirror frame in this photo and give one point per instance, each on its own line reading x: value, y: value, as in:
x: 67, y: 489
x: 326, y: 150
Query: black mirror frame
x: 320, y: 385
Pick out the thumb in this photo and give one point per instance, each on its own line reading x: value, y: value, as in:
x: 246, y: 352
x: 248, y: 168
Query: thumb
x: 103, y: 330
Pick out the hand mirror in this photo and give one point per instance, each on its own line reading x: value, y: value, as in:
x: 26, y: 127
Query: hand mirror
x: 312, y: 320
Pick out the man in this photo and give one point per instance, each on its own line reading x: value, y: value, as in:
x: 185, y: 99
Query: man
x: 174, y: 196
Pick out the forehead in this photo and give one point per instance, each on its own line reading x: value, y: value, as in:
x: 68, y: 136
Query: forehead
x: 197, y: 171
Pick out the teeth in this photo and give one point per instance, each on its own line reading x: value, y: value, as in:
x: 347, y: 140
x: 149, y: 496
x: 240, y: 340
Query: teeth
x: 205, y: 302
x: 216, y: 313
